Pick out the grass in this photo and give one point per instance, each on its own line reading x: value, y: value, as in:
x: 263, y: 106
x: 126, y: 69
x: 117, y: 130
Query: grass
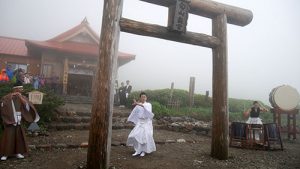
x: 205, y: 114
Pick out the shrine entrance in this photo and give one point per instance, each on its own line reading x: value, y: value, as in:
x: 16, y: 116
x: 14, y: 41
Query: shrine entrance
x: 79, y: 85
x: 112, y: 23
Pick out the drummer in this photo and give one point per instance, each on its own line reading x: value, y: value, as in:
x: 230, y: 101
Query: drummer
x: 254, y: 112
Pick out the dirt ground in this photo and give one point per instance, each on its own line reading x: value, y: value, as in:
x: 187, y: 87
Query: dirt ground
x: 192, y: 154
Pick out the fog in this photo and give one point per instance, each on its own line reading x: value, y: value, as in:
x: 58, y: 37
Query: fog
x: 261, y: 55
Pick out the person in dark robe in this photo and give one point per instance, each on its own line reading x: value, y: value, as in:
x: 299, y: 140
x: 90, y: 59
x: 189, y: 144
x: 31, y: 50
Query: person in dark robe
x: 14, y: 110
x: 122, y: 95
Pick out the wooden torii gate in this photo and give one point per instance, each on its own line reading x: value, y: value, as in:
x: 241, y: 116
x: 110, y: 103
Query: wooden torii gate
x: 112, y: 23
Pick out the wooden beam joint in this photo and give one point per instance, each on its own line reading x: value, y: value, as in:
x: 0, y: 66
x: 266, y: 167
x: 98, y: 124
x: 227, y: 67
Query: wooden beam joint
x: 145, y: 29
x: 211, y: 9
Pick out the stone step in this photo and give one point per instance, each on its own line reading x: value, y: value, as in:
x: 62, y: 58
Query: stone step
x: 85, y: 119
x: 82, y: 126
x: 83, y: 114
x: 121, y: 114
x: 88, y: 114
x: 69, y: 126
x: 85, y: 126
x: 75, y: 119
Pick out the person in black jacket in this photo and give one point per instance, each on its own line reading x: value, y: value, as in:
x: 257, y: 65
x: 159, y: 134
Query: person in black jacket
x: 122, y: 95
x: 254, y: 113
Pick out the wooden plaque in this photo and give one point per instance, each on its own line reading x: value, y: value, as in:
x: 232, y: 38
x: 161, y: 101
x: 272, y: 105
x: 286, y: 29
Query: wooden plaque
x: 178, y: 16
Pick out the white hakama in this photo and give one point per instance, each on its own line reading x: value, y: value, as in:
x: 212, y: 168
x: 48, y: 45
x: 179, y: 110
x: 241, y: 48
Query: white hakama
x: 255, y: 120
x: 141, y: 136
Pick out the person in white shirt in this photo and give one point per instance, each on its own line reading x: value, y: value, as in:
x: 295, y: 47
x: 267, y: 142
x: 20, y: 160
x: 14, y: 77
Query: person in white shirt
x: 128, y: 88
x: 141, y: 136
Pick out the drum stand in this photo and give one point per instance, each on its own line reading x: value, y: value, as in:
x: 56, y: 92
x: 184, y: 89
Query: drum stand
x: 256, y: 136
x: 272, y: 136
x: 291, y: 115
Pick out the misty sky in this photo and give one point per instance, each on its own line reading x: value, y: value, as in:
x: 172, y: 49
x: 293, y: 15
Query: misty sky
x: 261, y: 55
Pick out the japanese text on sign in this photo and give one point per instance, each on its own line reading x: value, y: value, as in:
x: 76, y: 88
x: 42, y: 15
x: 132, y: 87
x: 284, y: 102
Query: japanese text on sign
x: 181, y: 15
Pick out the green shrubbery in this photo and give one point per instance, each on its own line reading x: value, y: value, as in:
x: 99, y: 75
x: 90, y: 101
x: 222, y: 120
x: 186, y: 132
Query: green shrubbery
x: 162, y: 96
x: 50, y: 101
x: 201, y: 110
x: 159, y: 110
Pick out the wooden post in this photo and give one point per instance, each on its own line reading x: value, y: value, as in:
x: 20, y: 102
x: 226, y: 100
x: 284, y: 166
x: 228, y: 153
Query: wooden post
x: 191, y: 91
x: 171, y: 93
x: 101, y: 121
x: 206, y: 95
x: 65, y: 75
x: 294, y: 126
x: 289, y: 117
x: 219, y: 146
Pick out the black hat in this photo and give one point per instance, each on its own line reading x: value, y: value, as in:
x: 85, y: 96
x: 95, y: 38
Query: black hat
x: 18, y: 85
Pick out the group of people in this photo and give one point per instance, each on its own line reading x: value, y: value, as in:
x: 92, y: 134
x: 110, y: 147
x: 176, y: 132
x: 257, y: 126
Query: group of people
x: 20, y: 76
x: 8, y: 75
x: 124, y: 92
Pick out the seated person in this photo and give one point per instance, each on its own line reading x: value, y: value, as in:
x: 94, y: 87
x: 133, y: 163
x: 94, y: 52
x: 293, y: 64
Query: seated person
x: 254, y: 112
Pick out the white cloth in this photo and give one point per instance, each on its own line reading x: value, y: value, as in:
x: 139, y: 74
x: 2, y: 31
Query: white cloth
x: 255, y: 120
x: 141, y: 137
x: 18, y: 115
x: 26, y: 80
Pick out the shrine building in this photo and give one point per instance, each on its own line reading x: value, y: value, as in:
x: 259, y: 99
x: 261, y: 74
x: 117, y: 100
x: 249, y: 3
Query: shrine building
x: 70, y: 57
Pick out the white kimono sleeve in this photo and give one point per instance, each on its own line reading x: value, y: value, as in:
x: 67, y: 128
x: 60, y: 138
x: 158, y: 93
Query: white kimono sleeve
x: 134, y: 115
x: 140, y: 112
x: 148, y: 111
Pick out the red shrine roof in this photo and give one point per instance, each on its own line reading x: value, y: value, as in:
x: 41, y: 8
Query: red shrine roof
x: 73, y: 47
x: 83, y: 25
x: 61, y: 43
x: 13, y: 46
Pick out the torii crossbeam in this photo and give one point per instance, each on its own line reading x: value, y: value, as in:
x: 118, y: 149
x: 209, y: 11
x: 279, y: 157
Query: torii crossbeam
x: 112, y: 23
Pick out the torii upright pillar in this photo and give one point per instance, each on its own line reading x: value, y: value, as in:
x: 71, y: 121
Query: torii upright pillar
x: 219, y: 143
x: 101, y: 121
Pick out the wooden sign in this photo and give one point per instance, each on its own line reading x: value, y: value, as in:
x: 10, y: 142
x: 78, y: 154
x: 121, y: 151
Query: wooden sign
x: 178, y: 16
x: 36, y: 97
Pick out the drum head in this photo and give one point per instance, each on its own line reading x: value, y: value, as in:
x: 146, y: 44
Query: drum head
x: 286, y: 97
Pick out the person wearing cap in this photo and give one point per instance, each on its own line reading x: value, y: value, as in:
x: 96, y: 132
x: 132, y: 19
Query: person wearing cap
x: 14, y: 109
x: 3, y: 76
x: 128, y: 88
x: 9, y: 72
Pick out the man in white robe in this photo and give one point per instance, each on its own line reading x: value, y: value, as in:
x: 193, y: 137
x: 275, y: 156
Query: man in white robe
x: 141, y: 137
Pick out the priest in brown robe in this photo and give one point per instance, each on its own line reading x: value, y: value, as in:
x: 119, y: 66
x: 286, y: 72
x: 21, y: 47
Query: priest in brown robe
x: 14, y: 110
